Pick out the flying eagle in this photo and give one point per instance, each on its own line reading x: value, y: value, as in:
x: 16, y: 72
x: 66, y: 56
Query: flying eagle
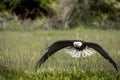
x: 76, y: 48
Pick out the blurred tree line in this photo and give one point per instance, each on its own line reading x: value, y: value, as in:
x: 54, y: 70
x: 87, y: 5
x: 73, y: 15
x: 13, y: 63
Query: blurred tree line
x: 67, y: 13
x: 27, y: 8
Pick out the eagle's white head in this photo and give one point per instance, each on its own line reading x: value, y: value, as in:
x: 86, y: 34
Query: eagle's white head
x: 77, y: 44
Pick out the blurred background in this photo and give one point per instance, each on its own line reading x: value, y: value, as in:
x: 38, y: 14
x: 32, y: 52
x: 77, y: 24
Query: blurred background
x: 59, y: 14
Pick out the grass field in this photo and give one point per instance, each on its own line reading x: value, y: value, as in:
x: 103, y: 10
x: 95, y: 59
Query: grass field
x: 19, y: 52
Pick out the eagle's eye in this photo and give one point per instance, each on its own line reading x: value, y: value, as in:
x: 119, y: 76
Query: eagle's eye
x: 77, y: 44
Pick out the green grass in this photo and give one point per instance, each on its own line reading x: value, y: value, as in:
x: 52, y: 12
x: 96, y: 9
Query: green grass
x: 19, y: 52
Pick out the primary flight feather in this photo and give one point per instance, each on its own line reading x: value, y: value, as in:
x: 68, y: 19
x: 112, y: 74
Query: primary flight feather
x: 77, y: 45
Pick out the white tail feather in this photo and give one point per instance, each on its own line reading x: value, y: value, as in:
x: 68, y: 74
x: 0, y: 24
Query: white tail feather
x: 76, y: 53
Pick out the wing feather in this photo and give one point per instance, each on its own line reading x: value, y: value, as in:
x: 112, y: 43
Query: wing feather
x: 102, y: 52
x: 52, y: 49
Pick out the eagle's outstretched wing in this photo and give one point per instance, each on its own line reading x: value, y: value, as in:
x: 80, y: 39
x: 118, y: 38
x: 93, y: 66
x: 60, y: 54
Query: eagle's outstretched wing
x: 99, y: 49
x: 52, y: 49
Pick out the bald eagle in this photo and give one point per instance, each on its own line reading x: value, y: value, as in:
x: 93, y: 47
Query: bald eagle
x: 78, y: 48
